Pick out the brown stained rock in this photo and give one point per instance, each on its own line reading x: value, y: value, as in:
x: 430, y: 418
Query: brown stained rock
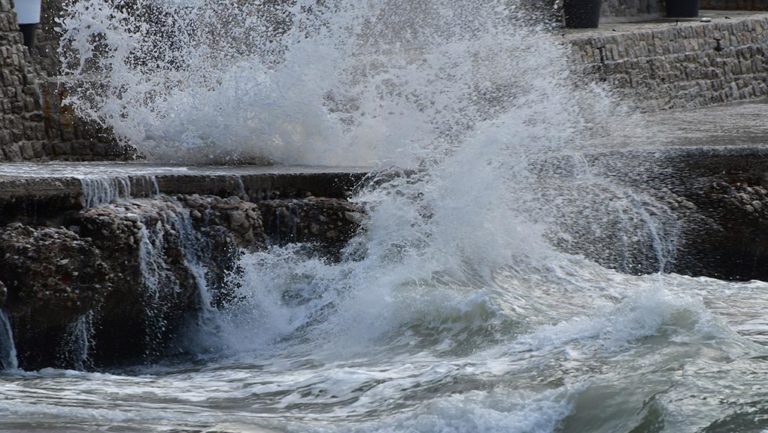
x: 51, y: 271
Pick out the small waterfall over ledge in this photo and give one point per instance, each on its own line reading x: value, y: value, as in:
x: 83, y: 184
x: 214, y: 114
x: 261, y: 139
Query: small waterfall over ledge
x: 173, y: 233
x: 8, y: 359
x: 78, y: 343
x: 99, y: 190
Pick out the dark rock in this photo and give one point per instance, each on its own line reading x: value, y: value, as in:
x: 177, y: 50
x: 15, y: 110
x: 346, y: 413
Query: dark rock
x: 328, y: 223
x: 734, y: 245
x: 157, y: 246
x: 3, y: 293
x: 242, y: 218
x: 53, y: 277
x: 138, y: 271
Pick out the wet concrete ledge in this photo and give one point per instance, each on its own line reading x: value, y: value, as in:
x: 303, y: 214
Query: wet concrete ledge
x: 46, y: 190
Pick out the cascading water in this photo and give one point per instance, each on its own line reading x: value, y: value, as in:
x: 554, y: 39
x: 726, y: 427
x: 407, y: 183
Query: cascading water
x: 455, y: 309
x: 78, y: 342
x: 7, y: 347
x: 161, y: 282
x: 99, y: 190
x: 102, y: 190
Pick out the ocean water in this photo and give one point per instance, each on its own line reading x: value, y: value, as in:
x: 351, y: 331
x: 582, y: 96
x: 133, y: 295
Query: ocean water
x: 453, y: 310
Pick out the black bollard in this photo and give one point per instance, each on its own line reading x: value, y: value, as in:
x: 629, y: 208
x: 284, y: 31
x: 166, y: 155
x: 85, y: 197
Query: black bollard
x: 28, y: 31
x: 28, y: 16
x: 683, y: 8
x: 582, y: 14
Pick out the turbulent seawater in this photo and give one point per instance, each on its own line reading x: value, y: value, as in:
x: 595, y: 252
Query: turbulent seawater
x: 453, y: 310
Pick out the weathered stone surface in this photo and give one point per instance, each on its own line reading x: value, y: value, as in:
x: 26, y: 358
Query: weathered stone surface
x: 329, y: 223
x: 45, y: 197
x: 242, y: 218
x: 51, y: 270
x: 159, y: 246
x: 31, y: 110
x: 717, y: 198
x: 140, y: 267
x: 691, y: 64
x: 734, y: 245
x: 53, y: 277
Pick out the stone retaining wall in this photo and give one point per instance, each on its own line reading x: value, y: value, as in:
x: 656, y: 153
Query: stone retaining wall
x: 33, y: 123
x: 680, y: 65
x: 22, y: 134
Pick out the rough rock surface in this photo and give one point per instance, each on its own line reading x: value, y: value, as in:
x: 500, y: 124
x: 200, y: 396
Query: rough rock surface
x: 242, y: 218
x: 734, y: 242
x: 140, y: 269
x: 52, y: 276
x: 165, y: 250
x: 328, y: 223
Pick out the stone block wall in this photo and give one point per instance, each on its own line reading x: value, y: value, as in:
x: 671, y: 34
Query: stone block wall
x: 690, y: 64
x: 22, y: 133
x: 45, y: 51
x: 34, y: 125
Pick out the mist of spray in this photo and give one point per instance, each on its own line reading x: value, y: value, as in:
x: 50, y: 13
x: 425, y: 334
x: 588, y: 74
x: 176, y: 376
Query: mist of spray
x: 470, y: 93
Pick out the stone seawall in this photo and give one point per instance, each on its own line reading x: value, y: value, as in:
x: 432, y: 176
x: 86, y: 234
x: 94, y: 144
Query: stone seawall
x: 673, y: 65
x: 34, y: 124
x: 22, y: 135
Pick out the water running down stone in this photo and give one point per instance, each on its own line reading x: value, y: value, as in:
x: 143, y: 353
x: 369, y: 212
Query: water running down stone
x: 7, y: 346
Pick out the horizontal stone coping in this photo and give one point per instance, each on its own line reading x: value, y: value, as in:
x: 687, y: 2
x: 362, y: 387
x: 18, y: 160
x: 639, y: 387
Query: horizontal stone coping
x: 34, y: 182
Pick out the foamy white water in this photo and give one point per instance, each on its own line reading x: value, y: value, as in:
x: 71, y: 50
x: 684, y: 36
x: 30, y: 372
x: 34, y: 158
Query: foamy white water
x: 8, y: 359
x: 452, y: 311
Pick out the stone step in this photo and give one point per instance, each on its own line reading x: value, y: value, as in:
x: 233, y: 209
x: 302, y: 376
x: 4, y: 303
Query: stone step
x: 54, y: 188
